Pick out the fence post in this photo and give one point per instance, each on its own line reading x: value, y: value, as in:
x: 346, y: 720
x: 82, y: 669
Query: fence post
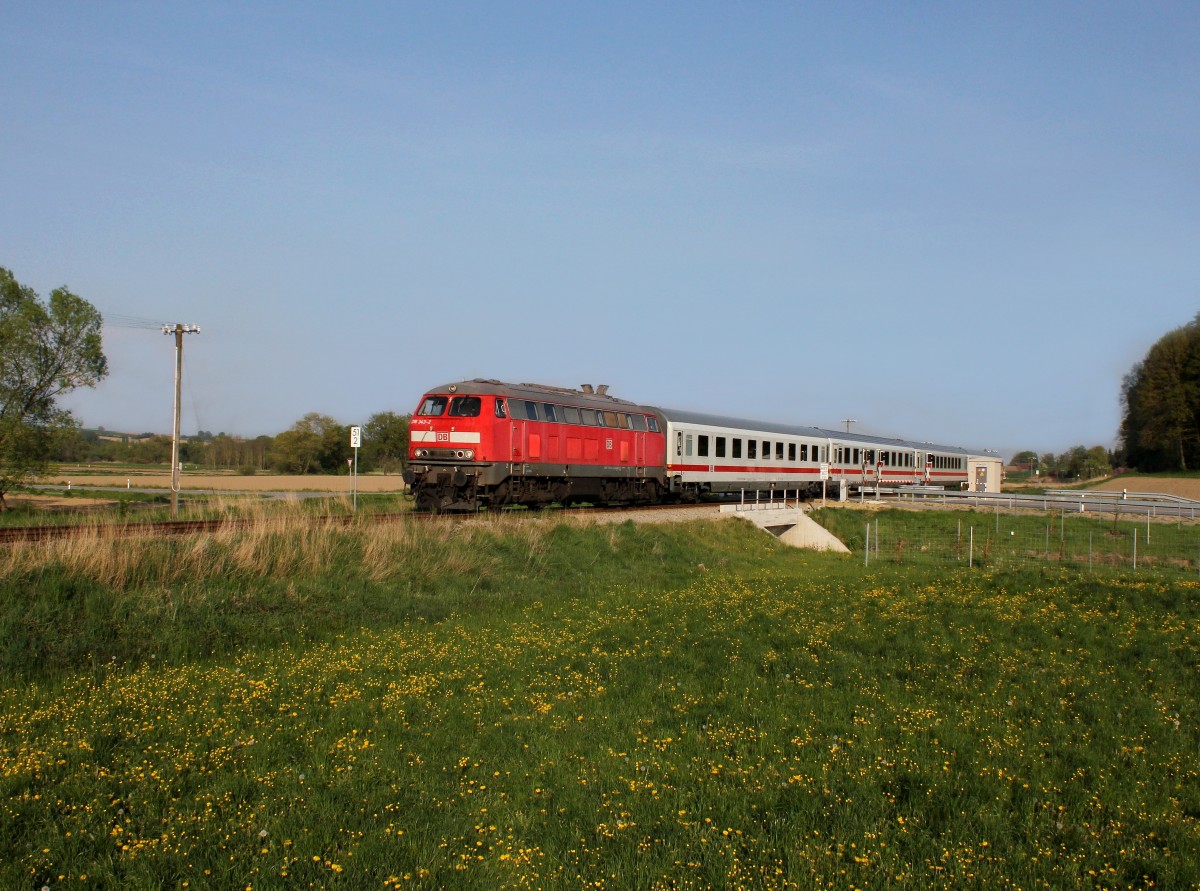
x: 1135, y: 548
x: 877, y: 539
x: 971, y: 551
x: 1089, y: 550
x: 867, y: 546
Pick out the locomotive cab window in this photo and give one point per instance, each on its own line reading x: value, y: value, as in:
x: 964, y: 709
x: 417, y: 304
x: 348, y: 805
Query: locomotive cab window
x: 465, y: 407
x: 500, y: 412
x: 652, y: 423
x: 433, y: 406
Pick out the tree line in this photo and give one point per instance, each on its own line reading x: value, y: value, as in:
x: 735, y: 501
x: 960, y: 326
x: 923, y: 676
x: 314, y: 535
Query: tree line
x: 1076, y: 463
x: 314, y: 444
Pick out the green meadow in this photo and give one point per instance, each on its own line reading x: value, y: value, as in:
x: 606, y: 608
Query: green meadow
x: 553, y: 703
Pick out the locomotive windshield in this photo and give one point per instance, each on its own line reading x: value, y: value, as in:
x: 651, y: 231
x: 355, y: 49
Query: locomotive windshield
x: 433, y: 406
x: 465, y: 407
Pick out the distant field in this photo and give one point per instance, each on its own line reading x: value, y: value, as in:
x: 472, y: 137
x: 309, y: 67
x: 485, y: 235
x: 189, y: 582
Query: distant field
x: 1183, y: 487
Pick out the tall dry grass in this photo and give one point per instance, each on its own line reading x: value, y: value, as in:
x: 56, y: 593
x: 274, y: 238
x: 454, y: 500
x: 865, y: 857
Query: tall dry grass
x: 278, y: 542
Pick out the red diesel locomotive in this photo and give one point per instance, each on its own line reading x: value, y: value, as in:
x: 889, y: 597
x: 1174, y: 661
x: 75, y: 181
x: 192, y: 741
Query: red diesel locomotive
x: 483, y: 442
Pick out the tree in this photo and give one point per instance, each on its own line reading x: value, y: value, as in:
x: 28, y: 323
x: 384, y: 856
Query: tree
x: 46, y: 351
x: 385, y: 441
x: 1029, y: 458
x: 1085, y: 463
x: 1160, y: 424
x: 313, y: 444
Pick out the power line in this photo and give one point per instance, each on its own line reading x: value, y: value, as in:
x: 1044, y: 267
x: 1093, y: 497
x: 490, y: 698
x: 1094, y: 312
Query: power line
x: 119, y: 320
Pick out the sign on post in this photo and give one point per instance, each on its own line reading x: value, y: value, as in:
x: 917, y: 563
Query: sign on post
x: 355, y: 443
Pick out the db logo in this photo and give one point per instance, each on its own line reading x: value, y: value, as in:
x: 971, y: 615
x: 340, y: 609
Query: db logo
x: 443, y: 437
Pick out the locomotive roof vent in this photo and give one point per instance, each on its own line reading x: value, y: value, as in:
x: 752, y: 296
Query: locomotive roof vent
x: 587, y: 388
x: 602, y: 390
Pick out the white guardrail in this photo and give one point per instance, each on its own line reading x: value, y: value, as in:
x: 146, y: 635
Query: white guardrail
x: 1153, y: 504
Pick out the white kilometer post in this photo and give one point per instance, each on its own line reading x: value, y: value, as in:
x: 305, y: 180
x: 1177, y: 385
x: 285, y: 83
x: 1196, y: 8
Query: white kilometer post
x: 355, y: 442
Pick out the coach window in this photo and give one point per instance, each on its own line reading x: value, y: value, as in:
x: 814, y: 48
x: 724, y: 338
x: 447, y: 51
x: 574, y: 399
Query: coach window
x: 856, y: 456
x: 720, y: 446
x: 803, y: 451
x: 702, y: 445
x: 688, y: 448
x: 778, y: 451
x: 570, y: 414
x: 792, y: 452
x: 737, y: 448
x: 652, y: 423
x: 751, y: 449
x: 500, y: 412
x: 766, y: 450
x: 433, y: 406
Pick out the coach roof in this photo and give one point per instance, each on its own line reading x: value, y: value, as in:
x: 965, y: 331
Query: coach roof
x: 747, y: 426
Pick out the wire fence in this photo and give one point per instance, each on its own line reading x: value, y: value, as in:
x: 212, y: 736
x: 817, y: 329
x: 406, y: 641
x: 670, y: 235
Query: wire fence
x: 1008, y: 542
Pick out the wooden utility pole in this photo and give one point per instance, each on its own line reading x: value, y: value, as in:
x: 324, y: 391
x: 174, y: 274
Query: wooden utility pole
x: 178, y: 330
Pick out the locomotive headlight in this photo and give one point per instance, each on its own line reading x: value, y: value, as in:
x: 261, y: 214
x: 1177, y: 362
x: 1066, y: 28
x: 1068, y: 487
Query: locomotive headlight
x: 465, y: 454
x: 422, y: 453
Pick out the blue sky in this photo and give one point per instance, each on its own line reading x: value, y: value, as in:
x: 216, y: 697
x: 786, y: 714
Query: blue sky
x: 953, y: 222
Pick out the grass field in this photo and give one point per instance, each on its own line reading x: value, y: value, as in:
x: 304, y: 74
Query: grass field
x: 547, y: 704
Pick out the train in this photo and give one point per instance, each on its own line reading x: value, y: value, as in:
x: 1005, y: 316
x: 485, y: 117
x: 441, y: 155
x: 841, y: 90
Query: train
x: 488, y: 444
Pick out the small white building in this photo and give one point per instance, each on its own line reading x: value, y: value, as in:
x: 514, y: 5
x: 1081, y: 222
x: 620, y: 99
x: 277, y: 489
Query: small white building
x: 984, y: 473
